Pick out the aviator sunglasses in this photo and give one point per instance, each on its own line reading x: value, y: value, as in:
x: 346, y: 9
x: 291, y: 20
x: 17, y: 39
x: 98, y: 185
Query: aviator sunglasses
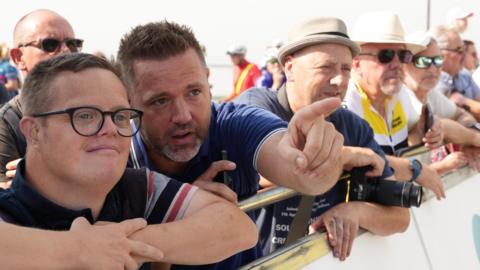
x: 50, y: 45
x: 424, y: 62
x: 386, y: 56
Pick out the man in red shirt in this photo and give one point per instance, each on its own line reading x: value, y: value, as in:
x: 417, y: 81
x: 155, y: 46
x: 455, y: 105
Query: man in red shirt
x: 245, y: 74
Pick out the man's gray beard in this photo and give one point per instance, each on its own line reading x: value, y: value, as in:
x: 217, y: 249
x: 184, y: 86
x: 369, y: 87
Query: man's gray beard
x: 391, y: 90
x: 182, y: 155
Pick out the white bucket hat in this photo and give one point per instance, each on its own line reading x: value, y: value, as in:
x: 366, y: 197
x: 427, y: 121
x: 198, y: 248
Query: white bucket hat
x: 382, y: 27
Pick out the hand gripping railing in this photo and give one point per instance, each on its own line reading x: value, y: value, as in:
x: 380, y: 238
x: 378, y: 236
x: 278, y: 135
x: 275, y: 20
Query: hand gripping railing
x: 309, y: 248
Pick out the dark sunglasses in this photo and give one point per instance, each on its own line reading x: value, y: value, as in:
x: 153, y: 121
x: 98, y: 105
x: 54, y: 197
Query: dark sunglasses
x: 459, y: 50
x: 386, y: 56
x: 51, y: 45
x: 424, y: 62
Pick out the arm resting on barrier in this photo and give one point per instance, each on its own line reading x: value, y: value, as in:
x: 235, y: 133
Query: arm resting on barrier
x: 343, y: 221
x: 211, y: 230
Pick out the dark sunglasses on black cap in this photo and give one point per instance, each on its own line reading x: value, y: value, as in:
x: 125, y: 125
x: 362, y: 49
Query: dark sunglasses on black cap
x: 424, y: 62
x: 386, y: 56
x: 50, y: 45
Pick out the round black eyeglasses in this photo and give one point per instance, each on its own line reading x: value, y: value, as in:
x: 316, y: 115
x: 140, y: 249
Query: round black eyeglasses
x: 88, y: 121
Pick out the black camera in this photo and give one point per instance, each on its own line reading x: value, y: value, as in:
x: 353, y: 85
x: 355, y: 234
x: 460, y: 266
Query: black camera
x: 382, y: 191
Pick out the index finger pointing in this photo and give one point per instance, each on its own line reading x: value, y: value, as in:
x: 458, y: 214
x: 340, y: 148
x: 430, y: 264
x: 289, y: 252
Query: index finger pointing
x: 314, y: 110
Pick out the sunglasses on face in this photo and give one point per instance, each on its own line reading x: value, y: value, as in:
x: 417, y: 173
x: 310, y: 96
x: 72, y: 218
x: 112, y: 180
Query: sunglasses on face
x: 386, y: 56
x: 424, y: 62
x: 51, y: 45
x: 459, y: 50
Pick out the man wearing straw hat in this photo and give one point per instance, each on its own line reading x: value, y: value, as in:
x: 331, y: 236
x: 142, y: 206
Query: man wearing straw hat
x: 317, y: 59
x: 375, y: 93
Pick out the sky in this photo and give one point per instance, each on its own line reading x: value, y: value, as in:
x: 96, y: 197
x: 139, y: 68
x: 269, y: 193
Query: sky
x: 218, y: 24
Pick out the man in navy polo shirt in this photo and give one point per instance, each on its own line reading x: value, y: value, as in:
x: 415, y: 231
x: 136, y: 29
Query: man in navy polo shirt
x: 183, y: 132
x: 77, y: 123
x: 317, y: 59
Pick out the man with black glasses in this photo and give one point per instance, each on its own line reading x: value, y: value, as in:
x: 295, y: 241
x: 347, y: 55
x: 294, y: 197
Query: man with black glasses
x: 38, y: 35
x: 77, y: 127
x: 421, y: 76
x: 456, y: 82
x: 375, y: 93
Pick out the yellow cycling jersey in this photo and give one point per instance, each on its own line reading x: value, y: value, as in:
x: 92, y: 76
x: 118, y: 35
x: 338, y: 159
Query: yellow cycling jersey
x: 391, y: 133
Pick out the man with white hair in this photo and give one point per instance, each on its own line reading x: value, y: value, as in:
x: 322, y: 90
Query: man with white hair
x: 245, y: 73
x: 375, y: 93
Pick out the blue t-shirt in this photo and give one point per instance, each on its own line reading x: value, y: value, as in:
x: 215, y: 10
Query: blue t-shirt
x: 240, y: 130
x: 274, y: 227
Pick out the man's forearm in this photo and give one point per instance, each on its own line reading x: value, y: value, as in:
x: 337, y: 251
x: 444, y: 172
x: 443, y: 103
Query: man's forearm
x: 209, y: 235
x: 401, y: 167
x: 474, y: 107
x: 27, y: 248
x: 464, y: 118
x: 456, y: 133
x: 382, y: 220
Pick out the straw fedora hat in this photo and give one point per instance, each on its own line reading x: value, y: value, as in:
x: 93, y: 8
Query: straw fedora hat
x: 382, y: 27
x: 317, y: 31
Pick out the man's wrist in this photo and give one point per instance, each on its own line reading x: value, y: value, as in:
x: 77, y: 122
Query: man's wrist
x: 475, y: 126
x: 416, y: 167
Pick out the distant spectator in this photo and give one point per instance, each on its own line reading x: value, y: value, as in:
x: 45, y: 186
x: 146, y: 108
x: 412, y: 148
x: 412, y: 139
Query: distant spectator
x: 245, y: 74
x: 273, y: 76
x: 470, y: 61
x: 8, y: 73
x: 457, y: 19
x: 455, y: 82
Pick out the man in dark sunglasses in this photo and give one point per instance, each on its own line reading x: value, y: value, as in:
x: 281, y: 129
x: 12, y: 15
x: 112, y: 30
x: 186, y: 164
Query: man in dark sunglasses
x: 455, y: 81
x: 376, y: 94
x: 38, y: 35
x: 421, y: 77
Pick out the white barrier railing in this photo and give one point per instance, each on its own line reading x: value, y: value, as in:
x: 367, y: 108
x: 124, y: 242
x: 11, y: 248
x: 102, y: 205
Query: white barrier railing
x: 441, y: 235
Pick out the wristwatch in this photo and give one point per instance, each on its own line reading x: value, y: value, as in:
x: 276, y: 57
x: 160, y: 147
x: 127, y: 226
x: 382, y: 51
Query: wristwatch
x: 416, y: 167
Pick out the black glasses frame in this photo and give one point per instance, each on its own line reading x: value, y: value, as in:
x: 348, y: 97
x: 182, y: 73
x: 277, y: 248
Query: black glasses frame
x: 71, y: 112
x: 386, y: 56
x: 51, y: 45
x: 437, y: 61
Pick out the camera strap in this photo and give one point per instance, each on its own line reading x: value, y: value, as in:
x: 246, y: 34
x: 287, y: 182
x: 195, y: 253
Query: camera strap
x: 299, y: 225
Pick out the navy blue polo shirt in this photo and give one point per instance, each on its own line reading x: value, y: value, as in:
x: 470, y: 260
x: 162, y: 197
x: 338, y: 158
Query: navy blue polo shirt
x: 138, y: 193
x: 241, y: 131
x: 274, y: 227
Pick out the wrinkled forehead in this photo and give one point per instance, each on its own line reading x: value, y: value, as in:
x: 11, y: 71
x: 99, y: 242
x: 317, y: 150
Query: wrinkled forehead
x: 44, y: 26
x: 92, y: 86
x: 432, y: 50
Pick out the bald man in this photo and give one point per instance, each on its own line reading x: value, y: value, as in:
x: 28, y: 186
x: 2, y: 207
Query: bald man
x: 38, y: 35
